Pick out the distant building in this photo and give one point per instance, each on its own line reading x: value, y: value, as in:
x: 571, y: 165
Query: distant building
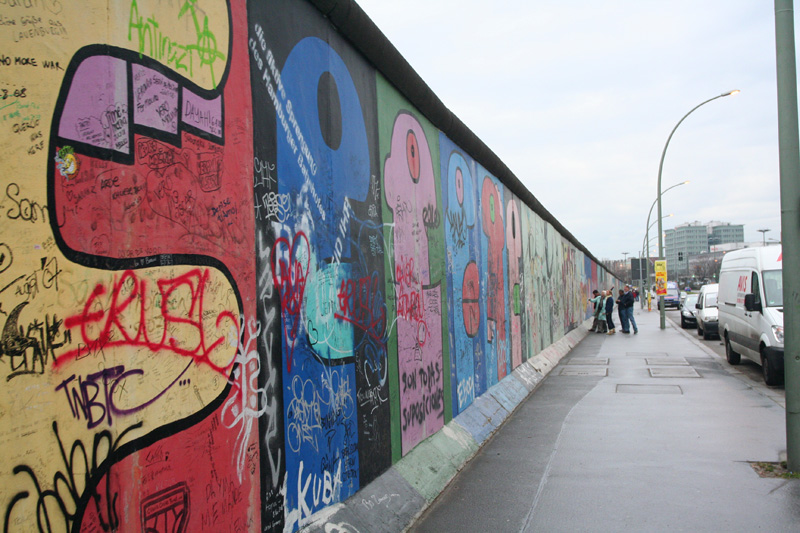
x: 730, y: 246
x: 724, y: 233
x: 618, y: 267
x: 696, y: 238
x: 681, y: 242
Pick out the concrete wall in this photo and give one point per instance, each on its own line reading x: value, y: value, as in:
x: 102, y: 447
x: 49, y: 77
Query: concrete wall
x: 241, y: 276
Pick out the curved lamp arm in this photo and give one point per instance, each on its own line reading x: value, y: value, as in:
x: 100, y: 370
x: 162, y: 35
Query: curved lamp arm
x: 658, y: 197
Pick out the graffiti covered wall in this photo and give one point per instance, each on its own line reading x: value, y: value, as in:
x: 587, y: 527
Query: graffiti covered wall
x: 240, y: 274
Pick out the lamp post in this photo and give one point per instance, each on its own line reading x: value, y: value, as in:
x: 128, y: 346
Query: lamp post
x: 647, y: 233
x: 624, y: 261
x: 658, y: 197
x: 646, y: 240
x: 763, y: 236
x: 789, y: 144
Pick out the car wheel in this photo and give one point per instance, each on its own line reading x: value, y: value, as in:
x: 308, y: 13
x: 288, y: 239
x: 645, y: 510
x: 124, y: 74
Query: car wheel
x: 771, y: 376
x: 706, y: 335
x: 699, y: 329
x: 732, y: 357
x: 683, y: 323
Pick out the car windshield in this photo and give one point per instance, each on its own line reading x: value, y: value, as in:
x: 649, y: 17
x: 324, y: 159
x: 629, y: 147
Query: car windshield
x: 690, y: 300
x: 773, y: 287
x: 711, y: 299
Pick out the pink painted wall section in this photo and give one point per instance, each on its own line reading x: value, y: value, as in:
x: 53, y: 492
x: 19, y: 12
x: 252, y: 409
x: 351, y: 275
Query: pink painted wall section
x: 514, y: 244
x: 493, y: 228
x: 96, y: 111
x: 410, y: 191
x: 155, y: 99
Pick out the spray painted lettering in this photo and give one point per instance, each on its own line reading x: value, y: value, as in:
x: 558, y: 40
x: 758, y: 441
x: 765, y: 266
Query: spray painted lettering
x: 128, y: 299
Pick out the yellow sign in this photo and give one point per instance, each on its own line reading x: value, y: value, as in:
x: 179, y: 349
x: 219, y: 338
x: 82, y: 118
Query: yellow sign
x: 661, y: 277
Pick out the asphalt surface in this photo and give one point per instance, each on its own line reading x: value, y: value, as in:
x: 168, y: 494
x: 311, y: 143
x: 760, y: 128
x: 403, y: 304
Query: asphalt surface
x: 647, y: 432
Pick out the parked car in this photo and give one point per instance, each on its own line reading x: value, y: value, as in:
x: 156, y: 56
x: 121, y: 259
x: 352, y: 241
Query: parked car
x: 688, y: 309
x: 751, y: 311
x: 707, y: 312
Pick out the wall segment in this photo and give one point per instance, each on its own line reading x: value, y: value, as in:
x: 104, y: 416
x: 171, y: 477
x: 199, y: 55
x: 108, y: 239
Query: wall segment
x: 242, y: 272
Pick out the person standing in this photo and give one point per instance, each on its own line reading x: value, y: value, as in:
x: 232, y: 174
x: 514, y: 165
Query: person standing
x: 627, y: 311
x: 596, y: 310
x: 609, y: 308
x: 619, y: 308
x: 602, y: 323
x: 609, y: 305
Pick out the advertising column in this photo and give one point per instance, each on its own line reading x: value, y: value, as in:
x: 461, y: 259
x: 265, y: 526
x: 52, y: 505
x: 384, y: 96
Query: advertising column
x: 661, y: 278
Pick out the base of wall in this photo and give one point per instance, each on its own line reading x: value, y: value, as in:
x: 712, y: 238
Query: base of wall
x: 401, y: 494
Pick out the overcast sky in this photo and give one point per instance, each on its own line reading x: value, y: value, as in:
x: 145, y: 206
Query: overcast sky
x: 578, y: 99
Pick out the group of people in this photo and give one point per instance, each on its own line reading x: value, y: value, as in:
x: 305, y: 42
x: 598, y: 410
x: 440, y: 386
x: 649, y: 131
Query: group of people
x: 604, y: 307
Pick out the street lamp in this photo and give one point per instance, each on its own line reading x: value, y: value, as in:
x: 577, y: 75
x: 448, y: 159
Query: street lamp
x: 658, y: 198
x: 647, y: 233
x: 646, y: 240
x: 763, y: 236
x: 625, y: 260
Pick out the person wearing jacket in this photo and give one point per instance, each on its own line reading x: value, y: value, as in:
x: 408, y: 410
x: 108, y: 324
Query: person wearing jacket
x: 595, y: 300
x: 602, y: 323
x: 626, y: 306
x: 609, y: 310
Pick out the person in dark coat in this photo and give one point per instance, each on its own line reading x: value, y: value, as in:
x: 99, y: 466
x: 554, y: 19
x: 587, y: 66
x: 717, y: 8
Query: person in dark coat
x: 627, y: 311
x: 609, y: 308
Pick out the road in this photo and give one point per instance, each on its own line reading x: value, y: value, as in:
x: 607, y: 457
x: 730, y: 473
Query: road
x: 748, y: 368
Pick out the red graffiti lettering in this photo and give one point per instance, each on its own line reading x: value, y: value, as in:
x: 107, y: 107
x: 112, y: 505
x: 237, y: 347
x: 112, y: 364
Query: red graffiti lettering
x: 123, y: 318
x: 289, y: 276
x: 405, y: 274
x: 360, y: 303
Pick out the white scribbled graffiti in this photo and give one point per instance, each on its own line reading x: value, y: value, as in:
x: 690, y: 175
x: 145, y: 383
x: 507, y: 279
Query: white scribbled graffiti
x: 242, y: 407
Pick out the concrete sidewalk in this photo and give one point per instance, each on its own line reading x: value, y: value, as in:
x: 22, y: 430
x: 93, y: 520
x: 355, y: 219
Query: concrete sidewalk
x: 647, y: 432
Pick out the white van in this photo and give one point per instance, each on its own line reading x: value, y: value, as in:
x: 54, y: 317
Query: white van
x: 751, y: 308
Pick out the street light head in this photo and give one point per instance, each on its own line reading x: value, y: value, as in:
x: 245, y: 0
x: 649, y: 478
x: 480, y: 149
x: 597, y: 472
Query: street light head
x: 733, y: 92
x: 685, y: 182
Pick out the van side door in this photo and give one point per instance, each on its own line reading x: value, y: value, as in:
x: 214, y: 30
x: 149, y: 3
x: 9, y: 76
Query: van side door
x: 753, y: 318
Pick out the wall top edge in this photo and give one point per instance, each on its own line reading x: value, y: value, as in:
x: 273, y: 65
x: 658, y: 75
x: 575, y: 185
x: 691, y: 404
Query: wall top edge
x: 355, y: 25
